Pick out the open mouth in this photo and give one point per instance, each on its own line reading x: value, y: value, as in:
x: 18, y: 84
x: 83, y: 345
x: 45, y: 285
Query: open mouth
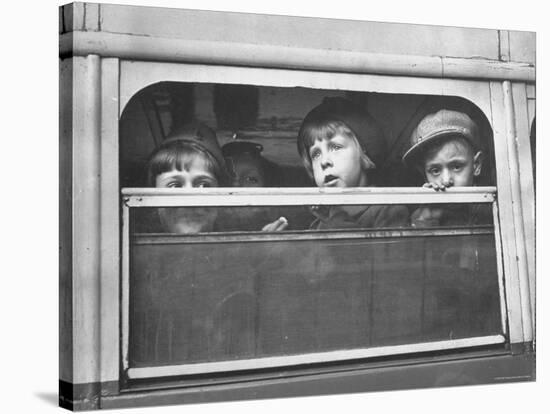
x: 330, y: 180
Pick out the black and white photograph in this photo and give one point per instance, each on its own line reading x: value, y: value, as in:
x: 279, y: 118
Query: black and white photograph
x: 284, y: 207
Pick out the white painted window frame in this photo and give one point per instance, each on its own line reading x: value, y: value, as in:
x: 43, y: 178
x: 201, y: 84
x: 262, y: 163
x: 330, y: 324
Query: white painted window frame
x: 494, y: 98
x: 221, y: 197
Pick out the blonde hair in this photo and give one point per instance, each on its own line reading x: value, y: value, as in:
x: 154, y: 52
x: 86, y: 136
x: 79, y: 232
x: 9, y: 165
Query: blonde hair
x: 325, y: 130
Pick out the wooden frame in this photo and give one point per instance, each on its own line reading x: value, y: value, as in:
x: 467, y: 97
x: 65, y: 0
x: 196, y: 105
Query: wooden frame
x: 137, y: 75
x: 103, y: 67
x: 164, y: 197
x: 486, y: 97
x: 310, y: 358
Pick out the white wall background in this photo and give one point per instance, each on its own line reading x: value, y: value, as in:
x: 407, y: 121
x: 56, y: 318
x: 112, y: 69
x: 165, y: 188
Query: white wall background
x: 29, y: 368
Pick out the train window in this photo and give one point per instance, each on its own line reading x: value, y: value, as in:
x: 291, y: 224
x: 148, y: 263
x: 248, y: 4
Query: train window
x: 202, y: 299
x: 211, y: 250
x: 225, y: 294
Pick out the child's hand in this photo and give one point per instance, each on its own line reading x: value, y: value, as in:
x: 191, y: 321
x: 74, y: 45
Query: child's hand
x: 278, y: 225
x: 435, y: 186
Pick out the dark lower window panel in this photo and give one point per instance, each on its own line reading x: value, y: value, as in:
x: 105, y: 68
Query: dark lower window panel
x: 221, y: 301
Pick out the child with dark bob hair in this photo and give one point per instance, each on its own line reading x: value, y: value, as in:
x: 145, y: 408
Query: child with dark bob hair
x: 189, y: 158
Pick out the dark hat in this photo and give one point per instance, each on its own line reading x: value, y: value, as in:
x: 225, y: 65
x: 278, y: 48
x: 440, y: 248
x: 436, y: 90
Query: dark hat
x: 201, y: 135
x: 241, y: 147
x: 438, y: 125
x: 364, y: 126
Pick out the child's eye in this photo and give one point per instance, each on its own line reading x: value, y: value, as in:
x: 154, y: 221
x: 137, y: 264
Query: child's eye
x: 203, y: 184
x: 434, y: 171
x: 457, y: 167
x: 251, y: 180
x: 315, y: 154
x: 174, y: 184
x: 335, y: 147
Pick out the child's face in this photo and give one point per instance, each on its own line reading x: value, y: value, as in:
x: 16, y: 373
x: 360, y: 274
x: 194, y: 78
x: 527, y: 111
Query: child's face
x: 248, y: 171
x: 336, y: 162
x: 195, y: 174
x: 186, y: 219
x: 453, y: 164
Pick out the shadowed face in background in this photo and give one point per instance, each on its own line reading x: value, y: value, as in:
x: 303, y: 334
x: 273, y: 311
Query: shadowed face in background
x: 194, y: 174
x: 248, y: 171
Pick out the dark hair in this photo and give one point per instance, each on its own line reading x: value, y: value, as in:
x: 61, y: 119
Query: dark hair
x: 320, y: 130
x: 271, y: 172
x: 177, y: 154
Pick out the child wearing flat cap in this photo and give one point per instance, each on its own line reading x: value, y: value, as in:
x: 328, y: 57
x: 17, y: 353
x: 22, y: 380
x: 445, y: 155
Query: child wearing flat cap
x: 189, y: 158
x: 445, y: 148
x: 340, y: 145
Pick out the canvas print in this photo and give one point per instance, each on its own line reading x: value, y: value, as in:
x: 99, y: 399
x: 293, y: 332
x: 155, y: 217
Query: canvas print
x: 289, y: 206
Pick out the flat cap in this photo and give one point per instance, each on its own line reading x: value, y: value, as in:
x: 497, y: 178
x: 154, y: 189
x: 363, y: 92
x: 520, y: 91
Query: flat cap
x: 438, y: 125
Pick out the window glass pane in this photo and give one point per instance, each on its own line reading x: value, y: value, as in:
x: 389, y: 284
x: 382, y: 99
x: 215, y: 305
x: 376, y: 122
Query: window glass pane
x: 203, y: 298
x: 222, y: 283
x: 193, y: 220
x: 219, y: 219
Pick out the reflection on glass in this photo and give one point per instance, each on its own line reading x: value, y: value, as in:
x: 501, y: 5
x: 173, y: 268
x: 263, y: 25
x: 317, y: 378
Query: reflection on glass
x: 187, y: 220
x: 322, y: 217
x: 211, y: 299
x: 217, y: 219
x: 444, y: 215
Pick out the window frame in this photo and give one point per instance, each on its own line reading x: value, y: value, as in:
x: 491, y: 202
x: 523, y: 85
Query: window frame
x: 98, y: 46
x: 490, y: 96
x: 219, y: 197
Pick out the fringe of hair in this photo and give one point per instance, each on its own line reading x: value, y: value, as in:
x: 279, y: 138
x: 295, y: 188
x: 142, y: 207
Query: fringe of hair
x: 178, y: 155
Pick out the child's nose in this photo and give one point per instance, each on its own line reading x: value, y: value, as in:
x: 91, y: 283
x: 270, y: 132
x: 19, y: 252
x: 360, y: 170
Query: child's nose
x: 326, y: 161
x: 447, y: 178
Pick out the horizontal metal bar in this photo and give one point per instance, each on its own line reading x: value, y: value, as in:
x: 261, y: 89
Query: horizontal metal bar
x: 144, y: 191
x: 127, y: 46
x: 304, y: 235
x: 167, y: 197
x: 332, y: 356
x: 292, y: 373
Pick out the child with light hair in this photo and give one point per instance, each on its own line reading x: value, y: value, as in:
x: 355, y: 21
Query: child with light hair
x: 341, y: 145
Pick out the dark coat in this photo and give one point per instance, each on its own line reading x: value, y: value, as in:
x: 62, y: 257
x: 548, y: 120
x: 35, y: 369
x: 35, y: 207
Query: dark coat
x: 372, y: 216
